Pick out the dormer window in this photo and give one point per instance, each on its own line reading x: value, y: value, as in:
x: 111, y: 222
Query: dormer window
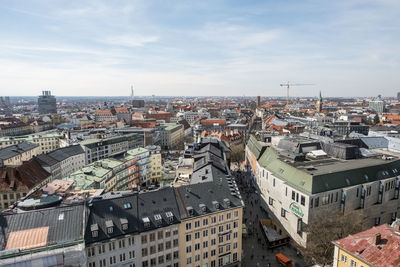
x: 158, y: 219
x: 146, y: 222
x: 215, y: 204
x: 110, y: 226
x: 203, y: 207
x: 169, y: 216
x: 124, y: 224
x: 94, y: 228
x: 127, y: 205
x: 227, y: 202
x: 190, y: 210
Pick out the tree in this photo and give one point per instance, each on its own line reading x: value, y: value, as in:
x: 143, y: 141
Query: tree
x: 237, y: 154
x: 328, y: 225
x: 376, y: 119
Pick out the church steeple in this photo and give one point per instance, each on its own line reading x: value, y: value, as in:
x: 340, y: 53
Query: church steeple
x: 319, y: 102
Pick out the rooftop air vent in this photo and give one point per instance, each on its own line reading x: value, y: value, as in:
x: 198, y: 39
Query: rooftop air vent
x: 146, y: 222
x: 124, y: 224
x: 215, y: 204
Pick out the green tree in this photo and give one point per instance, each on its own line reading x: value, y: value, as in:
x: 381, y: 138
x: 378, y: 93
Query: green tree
x: 376, y: 119
x: 328, y: 225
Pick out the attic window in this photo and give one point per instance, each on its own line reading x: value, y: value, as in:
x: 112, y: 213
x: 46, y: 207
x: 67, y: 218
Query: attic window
x: 94, y: 228
x: 203, y: 207
x: 170, y: 216
x: 366, y: 177
x: 127, y: 205
x: 281, y: 170
x: 215, y: 204
x: 347, y: 181
x: 146, y: 222
x: 124, y: 224
x: 227, y: 202
x: 110, y: 226
x: 61, y: 216
x: 111, y: 208
x: 158, y: 218
x: 190, y: 210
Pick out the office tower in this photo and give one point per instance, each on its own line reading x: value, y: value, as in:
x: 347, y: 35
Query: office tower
x: 47, y: 103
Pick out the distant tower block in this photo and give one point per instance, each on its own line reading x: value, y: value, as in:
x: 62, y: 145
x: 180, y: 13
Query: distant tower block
x: 319, y: 102
x: 132, y: 94
x: 47, y: 103
x: 258, y: 101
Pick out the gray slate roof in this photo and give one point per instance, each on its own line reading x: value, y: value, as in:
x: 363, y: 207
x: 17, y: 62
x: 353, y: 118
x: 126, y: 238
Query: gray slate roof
x: 15, y: 150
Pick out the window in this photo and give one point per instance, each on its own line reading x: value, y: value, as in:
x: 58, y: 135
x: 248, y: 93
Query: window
x: 235, y: 245
x: 175, y: 254
x: 188, y: 249
x: 228, y: 216
x: 221, y: 217
x: 205, y: 244
x: 197, y: 258
x: 213, y: 219
x: 293, y: 195
x: 235, y: 257
x: 188, y: 226
x: 299, y: 225
x: 197, y: 235
x: 283, y: 212
x: 144, y: 252
x: 205, y: 222
x: 152, y: 250
x: 160, y: 247
x: 168, y: 245
x: 273, y: 182
x: 188, y: 237
x: 161, y: 259
x: 377, y: 220
x: 160, y: 235
x: 213, y: 242
x: 343, y: 258
x: 221, y: 250
x: 213, y: 252
x: 167, y: 233
x: 196, y: 224
x: 221, y: 228
x: 152, y: 237
x: 189, y: 260
x: 353, y: 263
x: 235, y: 235
x: 228, y: 226
x: 316, y: 202
x: 205, y: 255
x: 303, y: 201
x: 205, y: 233
x: 197, y: 246
x: 213, y: 231
x: 270, y: 201
x: 175, y: 242
x: 144, y: 239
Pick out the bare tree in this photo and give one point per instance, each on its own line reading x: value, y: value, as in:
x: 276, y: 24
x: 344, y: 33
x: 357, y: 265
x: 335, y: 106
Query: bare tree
x: 328, y: 225
x: 237, y: 154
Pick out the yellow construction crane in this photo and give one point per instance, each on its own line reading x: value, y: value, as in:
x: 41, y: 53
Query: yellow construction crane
x: 287, y: 85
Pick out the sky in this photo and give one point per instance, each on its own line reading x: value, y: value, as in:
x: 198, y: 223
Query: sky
x: 201, y: 48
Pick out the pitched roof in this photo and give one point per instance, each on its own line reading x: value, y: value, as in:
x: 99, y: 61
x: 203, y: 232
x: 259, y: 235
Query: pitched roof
x: 65, y: 225
x: 15, y: 150
x: 363, y: 245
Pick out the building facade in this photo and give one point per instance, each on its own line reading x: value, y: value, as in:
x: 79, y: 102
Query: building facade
x: 293, y: 190
x: 155, y: 164
x: 47, y: 103
x: 15, y: 155
x: 46, y: 141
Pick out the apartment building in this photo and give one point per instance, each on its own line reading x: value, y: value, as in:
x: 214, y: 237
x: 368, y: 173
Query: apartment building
x: 296, y: 184
x: 46, y: 141
x: 62, y: 161
x: 14, y: 155
x: 96, y: 149
x: 17, y: 181
x: 376, y: 247
x: 124, y: 172
x: 171, y: 135
x: 155, y: 163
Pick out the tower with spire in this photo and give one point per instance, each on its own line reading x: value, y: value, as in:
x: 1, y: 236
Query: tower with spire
x: 319, y: 102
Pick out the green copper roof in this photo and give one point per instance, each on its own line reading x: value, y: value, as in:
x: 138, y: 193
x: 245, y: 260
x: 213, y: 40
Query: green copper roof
x: 255, y: 146
x: 319, y: 176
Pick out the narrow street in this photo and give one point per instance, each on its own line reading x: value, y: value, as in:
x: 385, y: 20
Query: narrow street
x: 255, y: 250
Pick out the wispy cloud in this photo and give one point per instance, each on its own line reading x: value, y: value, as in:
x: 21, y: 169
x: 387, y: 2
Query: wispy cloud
x: 130, y: 40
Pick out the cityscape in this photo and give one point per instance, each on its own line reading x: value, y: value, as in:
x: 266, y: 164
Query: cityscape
x: 175, y: 142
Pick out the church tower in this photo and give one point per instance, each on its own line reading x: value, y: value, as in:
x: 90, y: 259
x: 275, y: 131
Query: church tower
x: 319, y: 103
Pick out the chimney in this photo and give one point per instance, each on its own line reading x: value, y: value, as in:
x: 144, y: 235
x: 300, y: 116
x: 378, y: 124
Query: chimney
x: 377, y: 238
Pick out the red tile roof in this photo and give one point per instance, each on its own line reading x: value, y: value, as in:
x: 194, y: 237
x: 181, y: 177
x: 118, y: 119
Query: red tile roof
x: 211, y: 122
x: 363, y: 246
